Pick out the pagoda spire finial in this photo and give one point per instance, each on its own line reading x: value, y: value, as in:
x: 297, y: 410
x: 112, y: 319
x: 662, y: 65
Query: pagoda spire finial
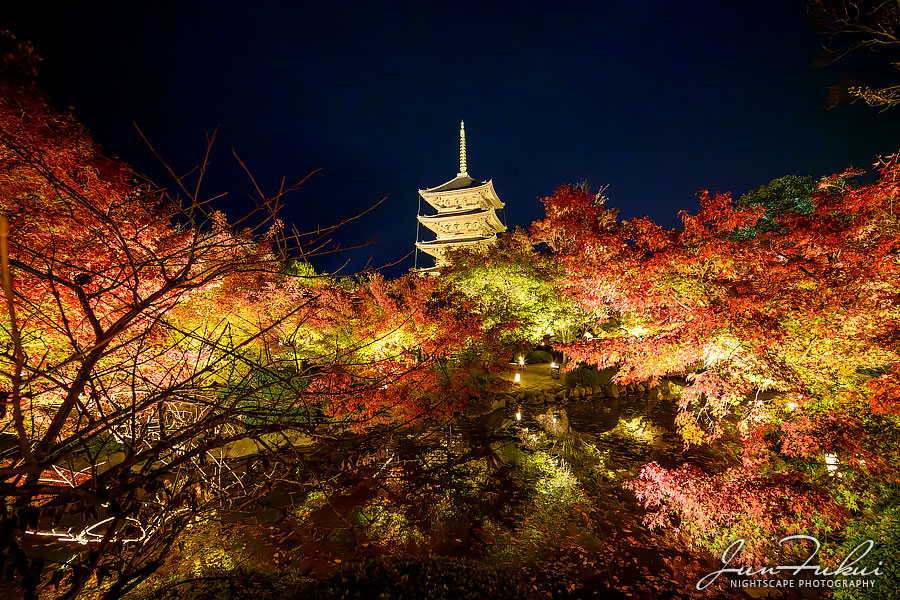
x: 462, y: 149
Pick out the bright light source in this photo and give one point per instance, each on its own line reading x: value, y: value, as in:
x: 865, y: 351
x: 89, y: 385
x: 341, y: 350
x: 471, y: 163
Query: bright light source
x: 518, y: 416
x: 791, y: 405
x: 553, y: 419
x: 518, y: 378
x: 522, y: 360
x: 553, y: 365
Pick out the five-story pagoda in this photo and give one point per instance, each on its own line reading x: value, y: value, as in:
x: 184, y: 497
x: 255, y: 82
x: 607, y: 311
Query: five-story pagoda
x: 466, y: 212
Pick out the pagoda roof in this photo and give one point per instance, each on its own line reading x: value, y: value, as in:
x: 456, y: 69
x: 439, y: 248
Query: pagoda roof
x: 468, y: 216
x: 456, y: 242
x: 460, y: 182
x: 462, y: 187
x: 455, y: 214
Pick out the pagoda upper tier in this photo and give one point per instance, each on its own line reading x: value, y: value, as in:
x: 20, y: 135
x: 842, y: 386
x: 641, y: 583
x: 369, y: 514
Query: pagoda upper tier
x: 466, y: 212
x: 462, y: 194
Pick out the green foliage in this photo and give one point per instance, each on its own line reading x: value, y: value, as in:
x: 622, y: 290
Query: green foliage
x: 788, y: 194
x: 517, y: 288
x: 102, y: 445
x: 304, y: 270
x: 883, y: 528
x: 268, y: 395
x: 538, y: 357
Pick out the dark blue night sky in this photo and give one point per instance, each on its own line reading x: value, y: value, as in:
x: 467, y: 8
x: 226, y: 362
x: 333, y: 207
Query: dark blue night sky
x: 657, y: 99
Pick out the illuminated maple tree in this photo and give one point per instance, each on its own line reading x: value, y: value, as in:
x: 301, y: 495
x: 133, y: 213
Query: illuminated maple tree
x: 146, y: 338
x: 786, y: 339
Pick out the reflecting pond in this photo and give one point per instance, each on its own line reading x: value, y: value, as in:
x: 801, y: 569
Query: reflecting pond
x: 537, y: 488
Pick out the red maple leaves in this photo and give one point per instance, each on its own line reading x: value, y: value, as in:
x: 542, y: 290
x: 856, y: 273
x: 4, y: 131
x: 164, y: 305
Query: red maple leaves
x: 776, y: 333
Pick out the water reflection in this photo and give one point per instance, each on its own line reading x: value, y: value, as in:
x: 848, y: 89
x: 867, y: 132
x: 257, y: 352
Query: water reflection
x: 514, y: 483
x: 525, y: 485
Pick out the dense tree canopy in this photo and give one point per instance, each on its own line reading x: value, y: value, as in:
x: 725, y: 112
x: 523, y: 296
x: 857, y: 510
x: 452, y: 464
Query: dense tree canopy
x: 787, y: 340
x: 160, y: 360
x: 779, y: 198
x: 518, y: 288
x: 147, y: 338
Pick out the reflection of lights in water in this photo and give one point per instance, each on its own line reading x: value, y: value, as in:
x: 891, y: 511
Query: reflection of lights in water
x: 640, y: 429
x: 518, y: 416
x: 518, y: 378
